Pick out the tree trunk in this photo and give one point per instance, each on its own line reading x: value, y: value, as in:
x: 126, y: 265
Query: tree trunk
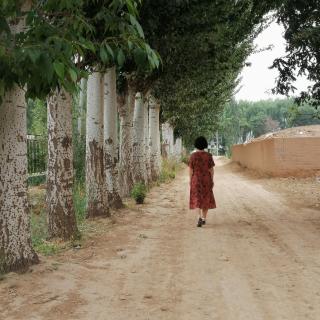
x: 126, y: 109
x: 97, y: 202
x: 82, y: 108
x: 139, y: 161
x: 146, y: 141
x: 61, y: 215
x: 16, y: 250
x: 154, y: 139
x: 167, y: 139
x: 178, y: 149
x: 111, y: 140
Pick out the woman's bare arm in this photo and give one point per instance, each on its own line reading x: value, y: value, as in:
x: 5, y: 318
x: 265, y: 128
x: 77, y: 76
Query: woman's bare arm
x: 211, y: 170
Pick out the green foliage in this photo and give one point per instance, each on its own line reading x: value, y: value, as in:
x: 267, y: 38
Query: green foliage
x: 37, y: 147
x: 36, y: 180
x: 301, y: 20
x: 80, y: 202
x: 303, y: 115
x: 79, y: 135
x: 63, y: 39
x: 39, y: 229
x: 41, y: 56
x: 46, y: 248
x: 37, y: 151
x: 37, y: 118
x: 79, y: 154
x: 244, y: 120
x: 39, y: 219
x: 139, y: 192
x: 203, y: 46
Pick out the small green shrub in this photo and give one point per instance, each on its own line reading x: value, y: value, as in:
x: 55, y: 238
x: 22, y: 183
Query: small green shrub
x: 139, y: 192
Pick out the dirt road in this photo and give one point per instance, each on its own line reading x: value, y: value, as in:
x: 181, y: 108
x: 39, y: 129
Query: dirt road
x: 257, y: 258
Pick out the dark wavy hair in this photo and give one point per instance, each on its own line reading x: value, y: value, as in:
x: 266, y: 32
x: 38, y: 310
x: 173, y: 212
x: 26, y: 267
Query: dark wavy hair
x: 201, y: 143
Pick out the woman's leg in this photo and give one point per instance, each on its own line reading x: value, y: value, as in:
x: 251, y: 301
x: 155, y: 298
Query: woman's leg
x: 199, y: 224
x: 204, y: 213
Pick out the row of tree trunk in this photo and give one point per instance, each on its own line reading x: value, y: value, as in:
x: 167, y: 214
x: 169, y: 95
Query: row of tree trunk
x: 113, y: 163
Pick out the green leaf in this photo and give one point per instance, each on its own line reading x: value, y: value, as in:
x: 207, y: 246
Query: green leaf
x: 73, y: 75
x: 4, y: 25
x: 88, y: 45
x: 2, y: 50
x: 59, y: 69
x: 130, y: 45
x: 131, y: 7
x: 110, y: 51
x: 121, y: 58
x: 46, y: 66
x: 104, y: 55
x: 34, y: 55
x: 137, y: 25
x: 139, y: 57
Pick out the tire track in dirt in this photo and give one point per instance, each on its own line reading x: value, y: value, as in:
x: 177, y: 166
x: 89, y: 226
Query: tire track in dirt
x: 277, y: 252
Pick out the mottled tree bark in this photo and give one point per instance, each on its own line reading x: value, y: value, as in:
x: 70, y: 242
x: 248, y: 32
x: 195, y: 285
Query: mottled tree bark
x: 167, y: 140
x: 61, y: 214
x: 111, y: 141
x: 178, y: 149
x: 81, y: 123
x: 139, y: 161
x: 126, y: 109
x: 97, y: 200
x: 154, y: 139
x: 146, y: 140
x: 16, y: 251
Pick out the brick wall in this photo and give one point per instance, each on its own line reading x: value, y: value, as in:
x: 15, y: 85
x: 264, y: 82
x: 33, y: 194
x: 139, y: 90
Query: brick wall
x: 280, y: 156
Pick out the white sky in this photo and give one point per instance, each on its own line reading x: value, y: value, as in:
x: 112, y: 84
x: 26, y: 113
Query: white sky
x: 258, y: 80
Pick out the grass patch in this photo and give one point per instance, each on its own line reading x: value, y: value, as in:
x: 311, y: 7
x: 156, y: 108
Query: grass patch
x: 36, y: 180
x: 39, y: 234
x: 39, y: 225
x: 80, y: 202
x: 169, y: 169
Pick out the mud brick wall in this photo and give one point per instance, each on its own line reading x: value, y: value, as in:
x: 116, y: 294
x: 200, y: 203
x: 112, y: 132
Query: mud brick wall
x: 280, y: 156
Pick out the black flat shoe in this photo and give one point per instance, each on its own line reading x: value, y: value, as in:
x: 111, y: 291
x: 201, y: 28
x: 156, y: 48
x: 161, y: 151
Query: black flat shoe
x: 203, y: 222
x: 199, y: 223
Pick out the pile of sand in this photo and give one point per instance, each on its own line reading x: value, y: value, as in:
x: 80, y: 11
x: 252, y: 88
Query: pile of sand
x: 304, y: 131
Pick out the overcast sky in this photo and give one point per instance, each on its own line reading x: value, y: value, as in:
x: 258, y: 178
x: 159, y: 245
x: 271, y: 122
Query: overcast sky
x: 258, y: 80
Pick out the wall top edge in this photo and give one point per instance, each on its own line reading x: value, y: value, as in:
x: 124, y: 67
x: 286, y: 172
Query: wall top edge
x: 274, y: 138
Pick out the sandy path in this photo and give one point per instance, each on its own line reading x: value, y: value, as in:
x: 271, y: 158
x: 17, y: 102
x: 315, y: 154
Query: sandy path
x: 257, y: 258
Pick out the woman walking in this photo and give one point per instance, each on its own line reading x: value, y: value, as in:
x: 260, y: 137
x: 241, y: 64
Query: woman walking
x: 201, y: 180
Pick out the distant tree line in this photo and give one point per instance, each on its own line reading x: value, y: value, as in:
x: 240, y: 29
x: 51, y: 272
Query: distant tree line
x: 243, y: 120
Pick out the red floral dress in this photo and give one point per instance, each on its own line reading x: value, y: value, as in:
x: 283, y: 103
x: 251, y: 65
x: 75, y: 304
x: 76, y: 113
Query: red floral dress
x: 201, y: 194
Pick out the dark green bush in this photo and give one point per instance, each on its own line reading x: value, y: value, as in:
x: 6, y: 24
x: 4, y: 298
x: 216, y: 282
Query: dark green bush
x: 139, y: 192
